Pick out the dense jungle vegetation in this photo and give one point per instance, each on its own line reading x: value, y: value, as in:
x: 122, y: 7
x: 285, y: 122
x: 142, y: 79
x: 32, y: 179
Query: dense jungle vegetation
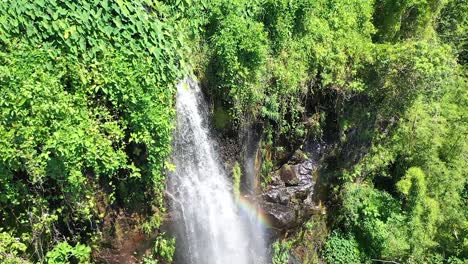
x: 87, y: 107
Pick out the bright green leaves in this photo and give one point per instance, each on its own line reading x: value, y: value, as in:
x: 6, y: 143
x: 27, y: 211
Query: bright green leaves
x: 317, y: 47
x: 240, y: 53
x: 423, y: 213
x: 67, y: 129
x: 342, y: 250
x: 375, y: 219
x: 414, y: 158
x: 88, y: 31
x: 265, y: 56
x: 91, y: 109
x: 163, y: 250
x: 165, y: 247
x: 48, y: 123
x: 281, y: 252
x: 426, y: 68
x: 237, y: 177
x: 387, y: 229
x: 144, y: 101
x: 339, y: 39
x: 63, y: 253
x: 452, y: 27
x: 11, y: 248
x: 326, y: 37
x: 86, y: 94
x: 52, y: 146
x: 401, y: 19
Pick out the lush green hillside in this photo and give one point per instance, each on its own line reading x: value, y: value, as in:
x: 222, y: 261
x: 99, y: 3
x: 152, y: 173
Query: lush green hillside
x: 87, y: 107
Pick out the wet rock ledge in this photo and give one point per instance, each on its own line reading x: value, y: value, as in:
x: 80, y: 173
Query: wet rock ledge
x: 289, y: 199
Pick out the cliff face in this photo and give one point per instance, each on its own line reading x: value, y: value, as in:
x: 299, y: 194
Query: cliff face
x: 292, y: 196
x: 290, y: 199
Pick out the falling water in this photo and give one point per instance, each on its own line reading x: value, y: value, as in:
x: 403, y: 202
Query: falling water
x: 211, y: 229
x: 251, y: 187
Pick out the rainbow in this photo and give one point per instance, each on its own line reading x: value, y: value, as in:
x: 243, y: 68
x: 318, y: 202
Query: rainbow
x: 252, y: 210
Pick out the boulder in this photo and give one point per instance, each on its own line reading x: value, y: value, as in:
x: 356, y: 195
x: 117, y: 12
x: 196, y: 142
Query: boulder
x: 288, y: 174
x: 288, y: 201
x: 280, y: 216
x: 298, y: 157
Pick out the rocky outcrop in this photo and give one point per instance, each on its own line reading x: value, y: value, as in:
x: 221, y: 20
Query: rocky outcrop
x: 289, y: 200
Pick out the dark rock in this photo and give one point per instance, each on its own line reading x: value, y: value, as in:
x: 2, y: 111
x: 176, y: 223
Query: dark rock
x: 306, y: 167
x: 288, y: 175
x: 298, y: 157
x: 281, y: 216
x: 277, y: 195
x: 289, y: 201
x: 289, y: 206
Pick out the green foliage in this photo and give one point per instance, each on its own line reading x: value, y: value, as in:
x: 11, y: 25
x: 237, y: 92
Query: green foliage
x: 374, y: 73
x: 452, y: 27
x: 376, y: 221
x: 236, y: 178
x: 86, y: 110
x: 165, y: 248
x: 50, y: 128
x: 341, y: 250
x: 428, y: 69
x: 320, y: 43
x: 63, y: 253
x: 423, y: 212
x: 420, y: 65
x: 281, y: 253
x: 67, y: 127
x: 221, y: 118
x: 340, y: 35
x: 264, y: 56
x: 88, y: 29
x: 148, y: 260
x: 402, y: 19
x: 267, y: 166
x: 240, y: 52
x: 11, y: 249
x: 152, y: 223
x: 424, y: 215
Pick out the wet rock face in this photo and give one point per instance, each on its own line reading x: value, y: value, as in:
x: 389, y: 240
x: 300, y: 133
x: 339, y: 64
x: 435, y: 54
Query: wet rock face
x: 288, y: 201
x: 289, y: 175
x: 280, y: 215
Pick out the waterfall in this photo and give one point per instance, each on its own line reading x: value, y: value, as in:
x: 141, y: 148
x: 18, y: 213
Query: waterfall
x: 211, y: 228
x: 251, y: 187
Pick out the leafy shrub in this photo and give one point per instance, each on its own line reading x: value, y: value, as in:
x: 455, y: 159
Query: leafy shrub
x: 341, y: 250
x: 281, y: 253
x: 165, y: 247
x: 452, y: 27
x: 376, y: 220
x: 400, y: 20
x: 11, y: 249
x: 89, y: 29
x: 240, y: 53
x: 423, y: 212
x: 236, y: 178
x: 86, y: 108
x: 63, y: 253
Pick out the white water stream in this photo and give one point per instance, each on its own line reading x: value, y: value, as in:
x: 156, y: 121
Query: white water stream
x: 211, y: 230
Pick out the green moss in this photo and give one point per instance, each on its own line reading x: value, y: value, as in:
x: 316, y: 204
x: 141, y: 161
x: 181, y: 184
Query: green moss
x: 236, y: 178
x: 221, y: 118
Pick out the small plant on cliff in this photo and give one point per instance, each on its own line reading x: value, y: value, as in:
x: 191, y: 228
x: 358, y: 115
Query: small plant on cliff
x: 165, y: 247
x: 63, y: 253
x: 341, y: 250
x: 236, y: 178
x: 281, y: 252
